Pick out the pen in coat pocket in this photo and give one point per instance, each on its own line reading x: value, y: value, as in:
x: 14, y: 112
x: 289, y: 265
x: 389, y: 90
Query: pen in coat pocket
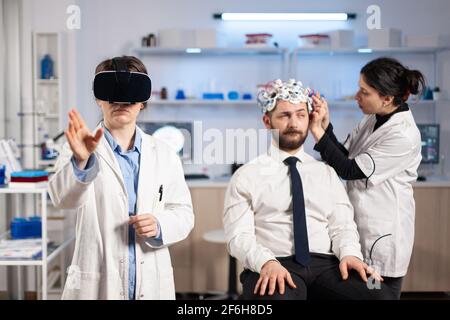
x: 160, y: 192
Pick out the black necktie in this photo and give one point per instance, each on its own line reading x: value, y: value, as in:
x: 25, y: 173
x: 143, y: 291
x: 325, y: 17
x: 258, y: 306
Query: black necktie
x: 298, y: 209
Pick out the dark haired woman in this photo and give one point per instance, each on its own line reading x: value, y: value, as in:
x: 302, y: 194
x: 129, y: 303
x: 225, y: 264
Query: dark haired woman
x: 128, y: 190
x: 379, y: 160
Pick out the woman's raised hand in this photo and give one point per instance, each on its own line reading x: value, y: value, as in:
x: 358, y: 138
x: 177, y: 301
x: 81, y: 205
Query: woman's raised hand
x: 81, y: 140
x: 320, y: 105
x: 318, y: 117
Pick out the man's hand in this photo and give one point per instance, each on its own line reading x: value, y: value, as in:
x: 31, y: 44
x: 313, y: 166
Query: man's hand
x: 353, y: 263
x: 273, y: 273
x: 146, y: 225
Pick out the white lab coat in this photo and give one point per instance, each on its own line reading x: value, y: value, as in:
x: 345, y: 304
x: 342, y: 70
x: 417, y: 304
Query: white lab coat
x: 99, y: 267
x: 384, y: 203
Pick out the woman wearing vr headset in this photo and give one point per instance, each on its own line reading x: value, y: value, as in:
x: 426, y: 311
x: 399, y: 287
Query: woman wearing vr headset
x: 129, y: 192
x: 379, y: 160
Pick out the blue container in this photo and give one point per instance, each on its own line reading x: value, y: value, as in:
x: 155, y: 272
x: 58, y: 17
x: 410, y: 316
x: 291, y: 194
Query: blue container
x: 35, y: 227
x: 427, y: 94
x: 18, y: 228
x: 180, y: 95
x: 247, y: 96
x: 22, y: 228
x: 2, y: 175
x: 213, y: 96
x: 47, y: 67
x: 233, y: 95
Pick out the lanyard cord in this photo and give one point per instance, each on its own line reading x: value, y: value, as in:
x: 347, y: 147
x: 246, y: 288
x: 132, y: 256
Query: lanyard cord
x: 373, y: 171
x: 371, y: 249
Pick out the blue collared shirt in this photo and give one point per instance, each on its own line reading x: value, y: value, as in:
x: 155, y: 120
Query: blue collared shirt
x: 129, y: 162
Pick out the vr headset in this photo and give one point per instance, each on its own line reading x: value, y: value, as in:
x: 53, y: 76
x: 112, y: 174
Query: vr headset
x: 122, y: 86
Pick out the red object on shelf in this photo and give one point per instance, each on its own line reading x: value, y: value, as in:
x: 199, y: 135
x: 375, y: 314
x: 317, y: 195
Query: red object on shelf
x: 314, y: 39
x: 257, y: 38
x: 35, y: 179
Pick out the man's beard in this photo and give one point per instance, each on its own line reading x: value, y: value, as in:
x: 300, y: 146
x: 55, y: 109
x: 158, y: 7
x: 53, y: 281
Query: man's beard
x: 287, y: 142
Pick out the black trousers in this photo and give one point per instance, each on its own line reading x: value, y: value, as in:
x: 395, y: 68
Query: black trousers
x: 321, y: 280
x: 395, y: 285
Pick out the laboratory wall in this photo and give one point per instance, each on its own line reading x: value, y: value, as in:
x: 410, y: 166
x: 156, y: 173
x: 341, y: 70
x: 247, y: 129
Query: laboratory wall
x: 110, y: 28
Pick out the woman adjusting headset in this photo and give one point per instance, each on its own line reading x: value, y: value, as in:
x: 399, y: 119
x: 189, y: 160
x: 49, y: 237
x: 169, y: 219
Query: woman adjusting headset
x: 128, y: 190
x: 380, y: 160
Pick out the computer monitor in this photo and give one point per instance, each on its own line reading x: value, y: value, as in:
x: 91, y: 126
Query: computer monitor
x: 430, y: 143
x: 176, y: 134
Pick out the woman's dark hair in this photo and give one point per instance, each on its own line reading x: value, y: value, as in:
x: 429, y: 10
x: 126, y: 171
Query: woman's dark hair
x: 132, y: 64
x: 390, y: 78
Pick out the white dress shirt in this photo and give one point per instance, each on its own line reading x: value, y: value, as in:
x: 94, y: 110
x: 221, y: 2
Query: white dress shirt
x: 258, y: 210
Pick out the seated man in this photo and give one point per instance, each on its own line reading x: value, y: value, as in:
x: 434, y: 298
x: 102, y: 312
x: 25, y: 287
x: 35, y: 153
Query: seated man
x: 288, y: 219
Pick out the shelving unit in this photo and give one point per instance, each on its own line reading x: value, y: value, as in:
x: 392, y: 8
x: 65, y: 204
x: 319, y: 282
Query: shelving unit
x: 203, y: 102
x: 351, y: 51
x: 46, y: 119
x: 47, y: 92
x: 289, y: 64
x: 157, y: 51
x: 253, y: 102
x: 48, y: 255
x: 344, y: 104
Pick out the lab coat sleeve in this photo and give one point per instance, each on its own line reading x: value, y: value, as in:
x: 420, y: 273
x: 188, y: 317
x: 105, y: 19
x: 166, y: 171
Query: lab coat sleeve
x: 87, y: 174
x: 239, y: 226
x: 156, y: 242
x: 388, y: 157
x: 350, y: 138
x: 65, y: 189
x: 354, y: 135
x: 341, y: 225
x: 176, y: 220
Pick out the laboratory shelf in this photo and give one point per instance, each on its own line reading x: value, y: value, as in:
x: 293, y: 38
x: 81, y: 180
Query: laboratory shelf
x: 49, y: 251
x: 157, y: 51
x: 52, y: 252
x: 51, y: 116
x: 47, y: 81
x: 352, y: 51
x: 202, y: 102
x: 345, y: 103
x: 6, y: 189
x: 332, y: 103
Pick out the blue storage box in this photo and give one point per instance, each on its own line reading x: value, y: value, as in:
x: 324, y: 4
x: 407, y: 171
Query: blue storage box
x: 26, y: 228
